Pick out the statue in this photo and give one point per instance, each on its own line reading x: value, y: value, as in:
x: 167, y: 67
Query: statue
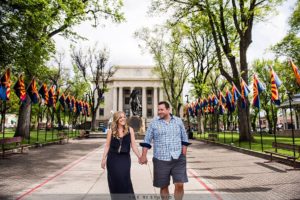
x: 135, y: 103
x: 137, y: 122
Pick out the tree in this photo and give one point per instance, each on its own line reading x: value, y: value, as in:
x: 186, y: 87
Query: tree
x: 261, y: 68
x: 289, y: 46
x: 169, y: 59
x: 27, y: 29
x: 231, y: 24
x: 94, y: 69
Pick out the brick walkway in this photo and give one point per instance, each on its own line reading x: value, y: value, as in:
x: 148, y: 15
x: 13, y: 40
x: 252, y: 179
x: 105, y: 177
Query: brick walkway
x: 72, y: 171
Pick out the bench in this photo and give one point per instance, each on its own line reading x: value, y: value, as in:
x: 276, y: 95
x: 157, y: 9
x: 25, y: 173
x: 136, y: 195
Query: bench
x: 83, y: 134
x: 213, y: 137
x: 16, y: 140
x: 62, y: 136
x: 288, y: 147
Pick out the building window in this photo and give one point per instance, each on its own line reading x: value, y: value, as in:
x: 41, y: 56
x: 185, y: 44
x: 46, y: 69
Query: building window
x: 126, y: 91
x: 101, y: 111
x: 149, y: 100
x: 149, y: 92
x: 127, y: 100
x: 149, y: 113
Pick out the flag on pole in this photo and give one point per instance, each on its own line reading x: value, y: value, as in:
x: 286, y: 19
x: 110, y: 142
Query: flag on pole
x: 62, y: 99
x: 68, y: 102
x: 73, y: 104
x: 33, y: 92
x: 198, y: 106
x: 56, y: 95
x: 228, y: 98
x: 235, y: 93
x: 20, y: 90
x: 257, y: 89
x: 275, y: 84
x: 43, y: 91
x: 51, y: 96
x: 5, y: 86
x: 215, y: 101
x: 222, y: 101
x: 245, y: 92
x: 296, y: 72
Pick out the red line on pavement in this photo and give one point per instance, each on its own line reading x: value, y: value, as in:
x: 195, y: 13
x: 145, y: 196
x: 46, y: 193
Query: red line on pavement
x: 204, y: 185
x: 66, y: 168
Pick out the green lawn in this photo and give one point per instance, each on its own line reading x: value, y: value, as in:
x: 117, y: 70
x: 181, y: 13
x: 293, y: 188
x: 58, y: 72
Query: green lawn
x: 43, y: 138
x: 256, y: 144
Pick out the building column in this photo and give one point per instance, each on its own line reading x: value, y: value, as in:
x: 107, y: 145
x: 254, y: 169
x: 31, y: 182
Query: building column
x: 144, y: 102
x: 115, y: 99
x: 155, y: 101
x: 131, y: 89
x: 161, y: 94
x: 120, y: 98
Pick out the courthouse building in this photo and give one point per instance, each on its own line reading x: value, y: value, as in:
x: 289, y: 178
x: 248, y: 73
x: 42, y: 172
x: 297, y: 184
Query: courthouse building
x: 125, y: 80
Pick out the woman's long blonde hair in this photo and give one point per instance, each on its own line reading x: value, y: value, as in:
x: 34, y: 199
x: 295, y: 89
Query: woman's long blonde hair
x: 114, y: 124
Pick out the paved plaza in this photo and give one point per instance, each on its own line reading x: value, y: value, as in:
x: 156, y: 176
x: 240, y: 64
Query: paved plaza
x: 72, y: 171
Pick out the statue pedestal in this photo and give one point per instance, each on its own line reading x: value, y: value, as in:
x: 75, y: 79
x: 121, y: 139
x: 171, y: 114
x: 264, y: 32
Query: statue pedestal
x: 138, y: 124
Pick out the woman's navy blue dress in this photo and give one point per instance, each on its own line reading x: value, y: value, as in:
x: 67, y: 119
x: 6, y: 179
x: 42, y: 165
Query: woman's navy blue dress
x: 118, y: 166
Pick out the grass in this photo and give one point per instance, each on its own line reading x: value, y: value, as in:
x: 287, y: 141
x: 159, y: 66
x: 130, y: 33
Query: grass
x: 43, y: 138
x: 256, y: 144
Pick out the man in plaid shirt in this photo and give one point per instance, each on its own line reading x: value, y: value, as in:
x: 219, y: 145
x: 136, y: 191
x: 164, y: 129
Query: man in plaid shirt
x: 170, y: 147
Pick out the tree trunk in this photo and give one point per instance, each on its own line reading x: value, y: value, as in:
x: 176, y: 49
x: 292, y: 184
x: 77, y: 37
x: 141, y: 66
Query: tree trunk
x: 93, y: 123
x: 244, y: 122
x: 24, y: 119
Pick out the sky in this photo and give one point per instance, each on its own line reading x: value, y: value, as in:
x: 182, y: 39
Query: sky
x: 124, y: 49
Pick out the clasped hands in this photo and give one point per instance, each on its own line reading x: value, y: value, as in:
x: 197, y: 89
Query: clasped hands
x: 143, y: 160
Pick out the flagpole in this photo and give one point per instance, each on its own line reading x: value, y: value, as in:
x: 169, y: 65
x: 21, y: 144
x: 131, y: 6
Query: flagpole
x: 274, y: 125
x: 52, y: 122
x: 231, y: 124
x: 291, y: 113
x: 249, y: 131
x: 3, y: 124
x: 69, y: 122
x: 38, y: 121
x: 47, y: 121
x: 224, y: 126
x: 30, y: 122
x: 261, y: 138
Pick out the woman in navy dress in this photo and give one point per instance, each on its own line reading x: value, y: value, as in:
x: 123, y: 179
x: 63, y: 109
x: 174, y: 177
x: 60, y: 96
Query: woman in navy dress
x: 116, y: 156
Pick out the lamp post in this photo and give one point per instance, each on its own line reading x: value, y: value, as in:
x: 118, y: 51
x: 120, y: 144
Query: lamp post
x: 190, y: 133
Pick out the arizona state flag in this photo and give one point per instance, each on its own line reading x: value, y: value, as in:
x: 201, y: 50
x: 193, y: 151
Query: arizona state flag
x: 5, y: 86
x: 235, y: 93
x: 56, y: 96
x: 51, y: 96
x: 257, y: 89
x: 73, y: 104
x: 245, y: 91
x: 68, y: 102
x: 275, y: 84
x: 222, y: 101
x: 229, y: 104
x: 62, y: 100
x: 33, y: 92
x: 296, y: 72
x: 20, y: 90
x: 43, y: 91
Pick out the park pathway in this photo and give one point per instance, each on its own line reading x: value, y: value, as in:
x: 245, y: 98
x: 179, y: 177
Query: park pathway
x: 72, y: 171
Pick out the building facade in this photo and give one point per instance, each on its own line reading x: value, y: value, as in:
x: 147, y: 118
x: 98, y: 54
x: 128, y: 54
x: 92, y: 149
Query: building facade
x: 125, y: 80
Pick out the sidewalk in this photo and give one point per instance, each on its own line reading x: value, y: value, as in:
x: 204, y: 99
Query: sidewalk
x: 214, y: 173
x: 84, y: 179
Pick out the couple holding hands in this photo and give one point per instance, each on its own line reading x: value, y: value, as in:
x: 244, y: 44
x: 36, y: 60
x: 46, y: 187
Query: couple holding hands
x: 170, y: 143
